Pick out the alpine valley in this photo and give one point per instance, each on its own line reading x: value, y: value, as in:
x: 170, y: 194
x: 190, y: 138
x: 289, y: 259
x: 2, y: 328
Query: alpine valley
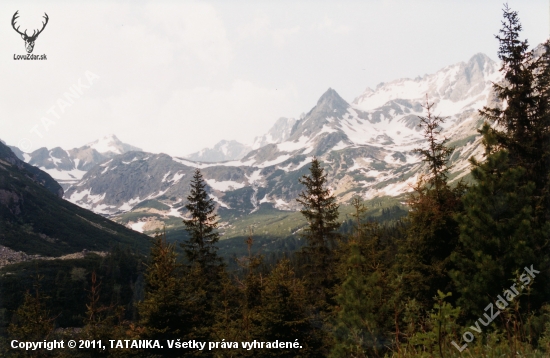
x: 366, y: 146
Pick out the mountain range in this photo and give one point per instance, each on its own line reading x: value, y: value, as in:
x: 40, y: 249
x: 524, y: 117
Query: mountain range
x: 366, y: 147
x: 34, y: 218
x: 69, y: 166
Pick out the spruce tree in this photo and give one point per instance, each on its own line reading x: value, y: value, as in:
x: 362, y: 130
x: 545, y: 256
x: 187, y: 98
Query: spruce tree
x: 505, y: 224
x: 283, y: 315
x: 432, y: 235
x: 204, y: 268
x: 436, y: 155
x: 251, y: 287
x: 101, y: 322
x: 321, y: 212
x: 239, y: 302
x: 164, y: 311
x: 32, y: 321
x: 201, y: 248
x: 364, y: 299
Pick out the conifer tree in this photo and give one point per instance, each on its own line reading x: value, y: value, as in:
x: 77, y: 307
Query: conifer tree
x: 164, y: 311
x: 32, y: 321
x: 505, y: 224
x: 321, y: 212
x: 365, y: 296
x: 432, y: 235
x: 201, y: 247
x: 524, y: 121
x: 239, y: 301
x: 101, y: 322
x: 251, y: 287
x: 283, y: 315
x: 436, y: 155
x: 204, y: 267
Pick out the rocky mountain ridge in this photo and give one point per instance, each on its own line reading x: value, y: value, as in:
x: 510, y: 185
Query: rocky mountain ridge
x: 69, y: 166
x: 366, y: 147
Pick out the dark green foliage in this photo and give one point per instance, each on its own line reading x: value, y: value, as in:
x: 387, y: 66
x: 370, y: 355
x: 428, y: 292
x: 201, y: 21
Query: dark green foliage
x: 201, y: 247
x: 505, y: 224
x: 365, y: 298
x: 389, y: 215
x: 239, y: 302
x: 497, y: 232
x: 32, y: 321
x: 436, y: 155
x: 283, y: 315
x: 204, y: 268
x: 163, y: 311
x: 101, y: 322
x: 66, y: 282
x: 319, y: 208
x: 321, y: 212
x: 525, y: 120
x: 432, y: 235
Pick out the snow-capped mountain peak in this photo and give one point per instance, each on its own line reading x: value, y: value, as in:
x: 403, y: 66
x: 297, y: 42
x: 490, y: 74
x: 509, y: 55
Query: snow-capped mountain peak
x: 331, y: 101
x: 448, y: 87
x: 367, y: 148
x: 111, y: 144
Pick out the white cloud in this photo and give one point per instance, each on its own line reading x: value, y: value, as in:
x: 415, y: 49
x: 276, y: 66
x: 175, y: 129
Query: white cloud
x: 328, y: 24
x: 261, y: 27
x: 280, y: 36
x: 195, y: 28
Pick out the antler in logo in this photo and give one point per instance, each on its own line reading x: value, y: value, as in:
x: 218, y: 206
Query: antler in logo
x: 29, y: 40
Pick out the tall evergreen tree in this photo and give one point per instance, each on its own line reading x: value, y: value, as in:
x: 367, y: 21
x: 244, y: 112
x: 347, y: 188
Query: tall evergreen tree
x: 505, y: 224
x: 432, y: 235
x: 164, y: 311
x: 436, y: 154
x: 524, y: 121
x: 364, y: 299
x: 101, y: 322
x: 204, y: 267
x: 239, y: 303
x: 321, y: 212
x: 201, y: 247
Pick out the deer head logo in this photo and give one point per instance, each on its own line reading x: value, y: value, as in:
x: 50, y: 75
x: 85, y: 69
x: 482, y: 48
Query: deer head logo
x: 29, y: 40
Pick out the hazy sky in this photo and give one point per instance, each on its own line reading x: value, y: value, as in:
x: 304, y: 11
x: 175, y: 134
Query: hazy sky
x: 177, y: 76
